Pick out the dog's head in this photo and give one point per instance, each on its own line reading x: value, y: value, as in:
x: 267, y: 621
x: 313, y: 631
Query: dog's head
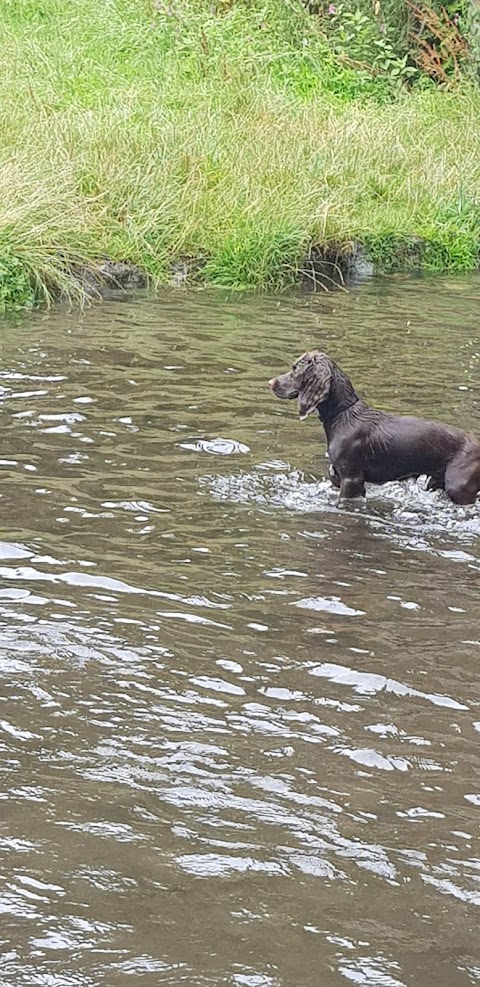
x: 309, y: 380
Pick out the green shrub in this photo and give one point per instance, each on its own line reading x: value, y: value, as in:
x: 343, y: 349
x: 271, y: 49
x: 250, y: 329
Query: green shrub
x: 16, y: 290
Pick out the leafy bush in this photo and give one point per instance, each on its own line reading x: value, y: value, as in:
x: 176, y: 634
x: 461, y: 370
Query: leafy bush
x: 368, y: 41
x: 16, y: 289
x: 405, y: 40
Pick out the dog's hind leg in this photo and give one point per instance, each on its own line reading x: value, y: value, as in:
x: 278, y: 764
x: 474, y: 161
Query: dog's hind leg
x: 462, y: 479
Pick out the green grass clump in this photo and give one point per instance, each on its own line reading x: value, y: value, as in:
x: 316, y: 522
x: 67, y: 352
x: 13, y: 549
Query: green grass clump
x: 148, y: 130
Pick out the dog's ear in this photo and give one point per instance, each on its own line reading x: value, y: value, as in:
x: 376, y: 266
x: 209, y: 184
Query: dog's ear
x: 315, y: 386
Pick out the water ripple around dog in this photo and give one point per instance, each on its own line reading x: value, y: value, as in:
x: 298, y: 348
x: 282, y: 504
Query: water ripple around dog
x: 405, y: 509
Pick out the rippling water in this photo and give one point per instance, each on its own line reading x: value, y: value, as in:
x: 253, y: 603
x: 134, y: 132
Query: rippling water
x: 239, y: 726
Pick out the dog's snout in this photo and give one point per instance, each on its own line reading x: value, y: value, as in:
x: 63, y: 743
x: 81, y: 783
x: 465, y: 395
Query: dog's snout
x: 272, y: 382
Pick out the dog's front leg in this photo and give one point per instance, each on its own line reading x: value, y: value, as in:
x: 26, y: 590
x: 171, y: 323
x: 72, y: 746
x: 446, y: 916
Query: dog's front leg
x: 348, y: 469
x: 352, y: 486
x: 334, y: 477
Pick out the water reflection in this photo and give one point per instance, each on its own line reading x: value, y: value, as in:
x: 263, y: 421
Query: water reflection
x: 239, y: 724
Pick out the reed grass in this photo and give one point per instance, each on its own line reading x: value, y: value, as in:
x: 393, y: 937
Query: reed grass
x: 149, y: 131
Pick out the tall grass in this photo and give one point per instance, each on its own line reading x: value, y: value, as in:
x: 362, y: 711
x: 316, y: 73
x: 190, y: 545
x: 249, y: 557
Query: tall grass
x: 146, y: 131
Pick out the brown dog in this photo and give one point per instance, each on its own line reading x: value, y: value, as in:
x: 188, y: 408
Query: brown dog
x: 369, y: 446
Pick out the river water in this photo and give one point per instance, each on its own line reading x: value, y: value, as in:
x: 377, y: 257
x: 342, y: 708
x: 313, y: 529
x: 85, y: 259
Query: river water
x: 239, y: 726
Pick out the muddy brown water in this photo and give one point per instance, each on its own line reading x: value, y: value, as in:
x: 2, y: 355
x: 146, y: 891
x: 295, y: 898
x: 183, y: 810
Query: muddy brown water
x: 239, y: 726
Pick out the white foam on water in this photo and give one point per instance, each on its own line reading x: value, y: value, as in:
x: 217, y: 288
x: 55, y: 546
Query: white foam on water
x: 405, y: 510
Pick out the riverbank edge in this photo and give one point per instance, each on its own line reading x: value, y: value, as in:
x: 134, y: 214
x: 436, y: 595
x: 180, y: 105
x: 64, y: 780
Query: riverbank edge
x: 325, y: 267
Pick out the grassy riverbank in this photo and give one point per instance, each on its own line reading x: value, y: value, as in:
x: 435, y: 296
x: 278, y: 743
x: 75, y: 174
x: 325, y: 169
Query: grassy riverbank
x: 148, y: 131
